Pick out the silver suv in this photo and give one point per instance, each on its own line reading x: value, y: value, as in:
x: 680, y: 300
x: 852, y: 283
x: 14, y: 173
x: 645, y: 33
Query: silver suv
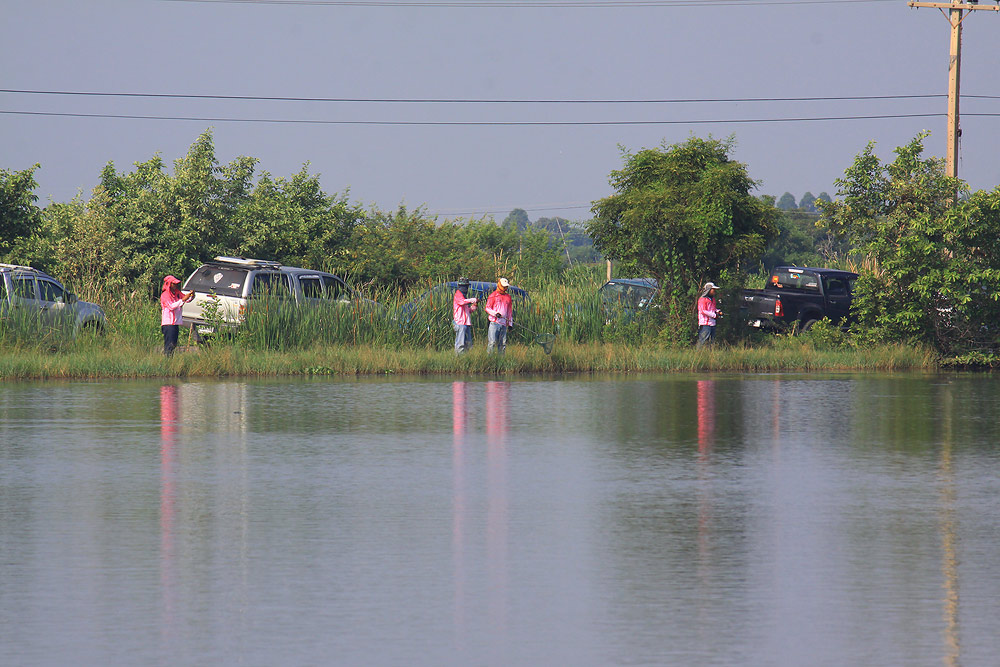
x: 38, y: 292
x: 224, y: 286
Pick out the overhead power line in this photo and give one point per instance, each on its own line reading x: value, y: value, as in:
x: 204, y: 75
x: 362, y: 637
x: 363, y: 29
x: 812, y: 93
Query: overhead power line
x: 533, y: 4
x: 308, y: 121
x: 431, y: 100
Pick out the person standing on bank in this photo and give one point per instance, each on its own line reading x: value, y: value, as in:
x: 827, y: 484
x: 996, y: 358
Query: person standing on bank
x: 500, y: 310
x: 172, y: 299
x: 707, y: 314
x: 462, y: 308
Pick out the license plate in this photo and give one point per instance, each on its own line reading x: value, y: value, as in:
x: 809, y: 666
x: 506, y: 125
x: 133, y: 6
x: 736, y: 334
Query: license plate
x: 206, y: 330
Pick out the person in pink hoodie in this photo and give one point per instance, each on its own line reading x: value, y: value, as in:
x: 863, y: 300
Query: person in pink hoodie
x: 172, y: 299
x: 462, y: 308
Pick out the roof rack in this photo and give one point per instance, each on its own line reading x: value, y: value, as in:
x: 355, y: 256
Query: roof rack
x: 18, y: 267
x: 247, y: 261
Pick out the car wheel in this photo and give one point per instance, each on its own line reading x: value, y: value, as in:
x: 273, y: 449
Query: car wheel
x: 92, y: 329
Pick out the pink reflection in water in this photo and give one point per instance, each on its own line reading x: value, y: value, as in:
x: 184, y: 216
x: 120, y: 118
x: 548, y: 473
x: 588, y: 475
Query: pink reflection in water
x: 497, y: 423
x: 464, y: 458
x: 706, y: 442
x: 169, y: 401
x: 459, y: 394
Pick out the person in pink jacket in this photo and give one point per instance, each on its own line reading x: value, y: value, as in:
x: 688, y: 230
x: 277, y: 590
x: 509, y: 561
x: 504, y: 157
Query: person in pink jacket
x: 500, y: 309
x: 707, y: 314
x: 172, y: 299
x: 462, y: 308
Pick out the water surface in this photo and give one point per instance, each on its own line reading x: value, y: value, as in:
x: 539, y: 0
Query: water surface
x: 709, y: 519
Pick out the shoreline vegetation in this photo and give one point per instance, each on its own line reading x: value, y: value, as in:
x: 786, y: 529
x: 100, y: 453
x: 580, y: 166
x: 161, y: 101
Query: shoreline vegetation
x: 92, y: 361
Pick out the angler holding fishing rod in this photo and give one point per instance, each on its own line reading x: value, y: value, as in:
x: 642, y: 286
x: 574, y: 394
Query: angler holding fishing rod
x: 500, y: 311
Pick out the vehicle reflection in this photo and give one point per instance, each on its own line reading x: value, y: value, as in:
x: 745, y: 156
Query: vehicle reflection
x: 188, y: 412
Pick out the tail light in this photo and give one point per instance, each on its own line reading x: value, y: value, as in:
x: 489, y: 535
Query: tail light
x: 778, y: 312
x: 242, y: 315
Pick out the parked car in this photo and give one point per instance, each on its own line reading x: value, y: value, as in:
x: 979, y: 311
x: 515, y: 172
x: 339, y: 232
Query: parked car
x: 443, y: 293
x: 796, y: 298
x: 38, y: 292
x: 226, y: 286
x: 627, y: 295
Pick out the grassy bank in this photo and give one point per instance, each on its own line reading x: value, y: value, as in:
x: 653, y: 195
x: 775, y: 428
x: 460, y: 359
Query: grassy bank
x: 97, y: 361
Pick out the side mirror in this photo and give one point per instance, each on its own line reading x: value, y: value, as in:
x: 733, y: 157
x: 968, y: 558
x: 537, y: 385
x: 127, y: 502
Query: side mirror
x: 70, y: 298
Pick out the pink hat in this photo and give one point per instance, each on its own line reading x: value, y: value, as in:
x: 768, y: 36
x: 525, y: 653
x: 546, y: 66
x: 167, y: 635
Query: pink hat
x: 170, y: 280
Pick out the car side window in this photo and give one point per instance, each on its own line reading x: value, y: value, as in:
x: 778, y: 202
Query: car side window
x: 270, y: 284
x: 335, y: 288
x: 49, y: 291
x: 836, y: 286
x: 24, y: 288
x: 312, y: 288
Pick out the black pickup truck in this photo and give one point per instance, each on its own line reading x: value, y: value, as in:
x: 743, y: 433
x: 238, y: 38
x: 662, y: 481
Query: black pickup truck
x: 796, y: 298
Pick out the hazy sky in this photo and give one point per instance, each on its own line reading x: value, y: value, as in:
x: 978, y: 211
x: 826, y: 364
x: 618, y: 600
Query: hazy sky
x: 502, y: 51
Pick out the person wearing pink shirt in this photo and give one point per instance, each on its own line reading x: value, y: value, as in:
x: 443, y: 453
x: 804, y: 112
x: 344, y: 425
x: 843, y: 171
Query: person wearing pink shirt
x: 500, y: 310
x: 707, y: 313
x: 172, y: 299
x: 462, y: 308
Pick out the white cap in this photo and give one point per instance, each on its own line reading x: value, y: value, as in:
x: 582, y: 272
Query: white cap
x: 504, y: 282
x: 710, y: 286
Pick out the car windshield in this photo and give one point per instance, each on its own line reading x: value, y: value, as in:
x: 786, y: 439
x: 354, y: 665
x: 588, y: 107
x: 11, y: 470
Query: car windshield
x: 627, y: 295
x: 217, y: 280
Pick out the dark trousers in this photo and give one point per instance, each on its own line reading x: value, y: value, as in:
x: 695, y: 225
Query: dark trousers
x: 706, y: 334
x: 170, y: 334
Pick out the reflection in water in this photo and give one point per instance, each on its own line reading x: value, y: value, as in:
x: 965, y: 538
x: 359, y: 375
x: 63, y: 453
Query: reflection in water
x: 168, y: 435
x: 706, y: 441
x: 706, y: 416
x: 463, y: 438
x: 685, y: 520
x: 197, y: 517
x: 949, y: 562
x: 497, y: 416
x: 459, y: 417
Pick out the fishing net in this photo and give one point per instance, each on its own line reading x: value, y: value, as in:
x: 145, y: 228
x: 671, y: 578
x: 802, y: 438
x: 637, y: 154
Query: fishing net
x: 546, y: 340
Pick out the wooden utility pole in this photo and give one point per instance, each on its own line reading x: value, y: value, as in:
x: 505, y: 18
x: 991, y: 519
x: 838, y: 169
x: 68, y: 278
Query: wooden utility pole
x: 955, y: 18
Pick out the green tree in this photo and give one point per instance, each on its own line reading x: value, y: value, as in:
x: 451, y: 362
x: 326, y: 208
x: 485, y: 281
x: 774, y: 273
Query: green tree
x: 808, y: 203
x: 517, y: 220
x: 787, y: 202
x: 682, y: 214
x: 19, y: 216
x: 933, y: 269
x: 293, y: 221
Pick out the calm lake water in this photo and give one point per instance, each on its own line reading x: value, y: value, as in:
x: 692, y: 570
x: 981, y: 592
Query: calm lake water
x: 679, y: 520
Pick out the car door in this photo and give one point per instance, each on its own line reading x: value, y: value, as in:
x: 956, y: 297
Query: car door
x: 838, y: 298
x: 312, y: 289
x: 23, y: 293
x: 335, y: 289
x: 56, y: 311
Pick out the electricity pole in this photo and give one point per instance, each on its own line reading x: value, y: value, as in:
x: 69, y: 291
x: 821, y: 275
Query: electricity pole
x: 955, y: 18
